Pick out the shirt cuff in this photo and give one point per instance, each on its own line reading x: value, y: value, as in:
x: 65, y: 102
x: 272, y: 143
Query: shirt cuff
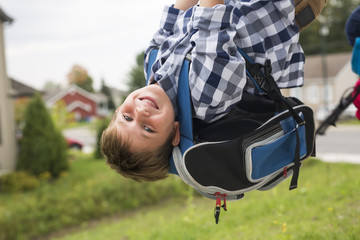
x: 169, y: 17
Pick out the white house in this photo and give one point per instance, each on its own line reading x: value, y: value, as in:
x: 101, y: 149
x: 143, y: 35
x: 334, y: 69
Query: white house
x: 7, y: 127
x: 326, y: 80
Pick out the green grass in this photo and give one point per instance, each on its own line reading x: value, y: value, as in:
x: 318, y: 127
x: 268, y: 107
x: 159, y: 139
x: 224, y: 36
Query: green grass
x: 326, y: 205
x: 350, y: 122
x: 90, y: 190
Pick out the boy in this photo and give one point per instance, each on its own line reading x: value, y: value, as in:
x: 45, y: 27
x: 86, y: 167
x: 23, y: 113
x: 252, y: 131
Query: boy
x: 139, y: 140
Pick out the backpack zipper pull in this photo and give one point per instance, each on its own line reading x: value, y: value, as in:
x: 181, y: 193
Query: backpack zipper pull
x: 224, y: 205
x: 217, y: 207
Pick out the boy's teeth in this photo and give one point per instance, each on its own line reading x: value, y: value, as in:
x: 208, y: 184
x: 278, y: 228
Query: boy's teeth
x: 149, y: 102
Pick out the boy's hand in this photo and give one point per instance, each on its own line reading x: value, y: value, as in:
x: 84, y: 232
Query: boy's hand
x: 185, y: 4
x: 210, y: 3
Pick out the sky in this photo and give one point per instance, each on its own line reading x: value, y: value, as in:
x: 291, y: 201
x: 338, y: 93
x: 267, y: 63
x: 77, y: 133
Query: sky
x: 47, y: 38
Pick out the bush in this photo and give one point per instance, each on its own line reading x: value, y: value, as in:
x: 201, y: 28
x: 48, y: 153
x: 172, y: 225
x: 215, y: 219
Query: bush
x: 42, y: 147
x: 100, y: 127
x: 89, y: 191
x: 17, y: 182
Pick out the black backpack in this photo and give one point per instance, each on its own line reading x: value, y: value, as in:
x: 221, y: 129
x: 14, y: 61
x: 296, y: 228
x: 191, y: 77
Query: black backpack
x: 260, y: 143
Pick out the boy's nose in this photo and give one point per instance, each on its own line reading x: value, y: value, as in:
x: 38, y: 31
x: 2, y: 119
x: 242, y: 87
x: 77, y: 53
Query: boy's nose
x: 142, y: 111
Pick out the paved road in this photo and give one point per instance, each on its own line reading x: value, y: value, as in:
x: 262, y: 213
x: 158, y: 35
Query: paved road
x: 339, y: 144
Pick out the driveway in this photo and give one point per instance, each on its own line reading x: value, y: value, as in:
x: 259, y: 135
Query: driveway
x: 84, y: 135
x: 339, y: 144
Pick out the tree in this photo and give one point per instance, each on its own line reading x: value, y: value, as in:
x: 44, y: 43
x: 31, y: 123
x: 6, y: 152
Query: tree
x: 60, y: 115
x: 79, y: 76
x: 42, y: 147
x: 100, y: 127
x: 137, y: 76
x: 333, y: 16
x: 20, y: 109
x: 50, y: 85
x: 106, y: 90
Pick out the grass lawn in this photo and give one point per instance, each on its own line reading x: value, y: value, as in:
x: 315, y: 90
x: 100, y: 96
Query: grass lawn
x: 326, y: 205
x: 351, y: 121
x: 90, y: 190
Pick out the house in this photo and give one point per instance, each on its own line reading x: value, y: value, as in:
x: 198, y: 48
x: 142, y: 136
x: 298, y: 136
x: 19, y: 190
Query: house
x: 83, y: 104
x: 21, y: 94
x: 326, y: 80
x: 7, y: 127
x: 21, y: 91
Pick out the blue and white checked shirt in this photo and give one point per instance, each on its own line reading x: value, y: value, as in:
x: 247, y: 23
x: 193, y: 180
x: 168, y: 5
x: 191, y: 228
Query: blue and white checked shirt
x: 217, y: 78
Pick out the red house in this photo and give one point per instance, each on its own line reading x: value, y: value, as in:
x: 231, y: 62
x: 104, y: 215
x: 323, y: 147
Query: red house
x: 83, y: 104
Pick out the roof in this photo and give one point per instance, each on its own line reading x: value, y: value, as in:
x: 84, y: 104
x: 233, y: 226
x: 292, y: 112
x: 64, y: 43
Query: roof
x: 335, y: 62
x: 52, y: 97
x: 4, y: 17
x: 21, y: 89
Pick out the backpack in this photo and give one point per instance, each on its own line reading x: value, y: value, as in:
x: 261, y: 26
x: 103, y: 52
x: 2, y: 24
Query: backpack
x: 260, y: 143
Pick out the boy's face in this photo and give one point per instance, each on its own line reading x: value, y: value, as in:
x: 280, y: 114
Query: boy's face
x: 147, y: 119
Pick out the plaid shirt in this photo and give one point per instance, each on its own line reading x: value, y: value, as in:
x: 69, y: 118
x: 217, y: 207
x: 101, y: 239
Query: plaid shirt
x: 217, y: 78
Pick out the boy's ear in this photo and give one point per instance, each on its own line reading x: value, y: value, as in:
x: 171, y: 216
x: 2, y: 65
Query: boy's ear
x: 176, y: 138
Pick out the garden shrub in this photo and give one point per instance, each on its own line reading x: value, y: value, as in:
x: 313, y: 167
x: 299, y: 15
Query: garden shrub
x: 42, y: 147
x: 17, y: 181
x: 100, y: 127
x: 89, y: 191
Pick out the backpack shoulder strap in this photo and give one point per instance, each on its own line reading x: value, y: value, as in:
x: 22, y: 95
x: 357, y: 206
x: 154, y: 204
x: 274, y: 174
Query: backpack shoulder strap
x: 152, y: 57
x: 261, y: 77
x: 184, y: 115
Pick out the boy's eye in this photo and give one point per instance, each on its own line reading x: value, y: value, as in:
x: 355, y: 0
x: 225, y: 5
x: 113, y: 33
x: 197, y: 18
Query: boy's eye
x: 127, y: 118
x: 148, y: 129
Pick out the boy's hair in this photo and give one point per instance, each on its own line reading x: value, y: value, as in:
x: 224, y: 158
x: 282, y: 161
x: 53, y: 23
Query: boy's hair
x: 140, y: 166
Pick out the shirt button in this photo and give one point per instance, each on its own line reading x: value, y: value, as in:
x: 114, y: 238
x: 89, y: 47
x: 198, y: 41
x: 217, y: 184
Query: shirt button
x: 158, y: 77
x: 232, y: 51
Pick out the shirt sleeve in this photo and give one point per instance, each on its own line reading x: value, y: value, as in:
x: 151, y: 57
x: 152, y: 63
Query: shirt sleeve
x: 263, y: 29
x: 218, y: 75
x: 167, y: 23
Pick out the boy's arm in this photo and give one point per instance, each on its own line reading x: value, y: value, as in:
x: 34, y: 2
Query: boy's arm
x: 168, y: 20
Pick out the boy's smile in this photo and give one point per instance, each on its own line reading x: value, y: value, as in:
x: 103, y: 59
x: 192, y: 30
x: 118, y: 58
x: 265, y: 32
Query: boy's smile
x: 150, y: 101
x: 147, y: 118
